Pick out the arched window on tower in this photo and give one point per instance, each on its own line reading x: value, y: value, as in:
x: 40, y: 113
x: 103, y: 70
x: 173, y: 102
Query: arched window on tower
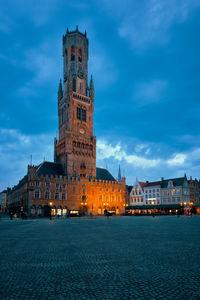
x: 74, y: 84
x: 79, y: 55
x: 72, y: 53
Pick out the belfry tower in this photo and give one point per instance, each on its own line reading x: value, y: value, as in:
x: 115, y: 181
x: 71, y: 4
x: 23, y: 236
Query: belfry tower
x: 75, y: 148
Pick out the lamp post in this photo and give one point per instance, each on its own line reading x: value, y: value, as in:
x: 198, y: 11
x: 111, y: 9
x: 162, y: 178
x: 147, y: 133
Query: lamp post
x: 50, y: 203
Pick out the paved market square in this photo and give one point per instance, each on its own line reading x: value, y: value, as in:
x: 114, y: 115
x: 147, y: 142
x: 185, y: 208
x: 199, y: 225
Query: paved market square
x: 99, y: 258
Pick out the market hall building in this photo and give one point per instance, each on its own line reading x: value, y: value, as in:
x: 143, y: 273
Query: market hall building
x: 72, y: 183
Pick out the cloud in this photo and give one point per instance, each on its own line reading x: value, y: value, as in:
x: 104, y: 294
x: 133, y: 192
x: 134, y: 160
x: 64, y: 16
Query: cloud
x: 43, y: 63
x: 147, y: 166
x: 15, y: 151
x: 106, y: 150
x: 149, y: 92
x: 38, y: 12
x: 103, y: 68
x: 178, y: 159
x: 140, y: 147
x: 148, y: 22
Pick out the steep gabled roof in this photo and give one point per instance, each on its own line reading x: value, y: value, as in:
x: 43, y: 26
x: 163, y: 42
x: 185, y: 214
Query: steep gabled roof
x: 129, y: 188
x: 50, y: 168
x: 104, y: 174
x: 142, y: 184
x: 153, y: 183
x: 176, y: 182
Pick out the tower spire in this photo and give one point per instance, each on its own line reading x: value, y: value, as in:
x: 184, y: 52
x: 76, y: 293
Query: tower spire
x: 91, y: 83
x: 119, y: 175
x: 60, y: 90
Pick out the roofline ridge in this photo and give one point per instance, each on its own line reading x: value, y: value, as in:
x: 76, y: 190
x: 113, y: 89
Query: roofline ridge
x: 40, y: 166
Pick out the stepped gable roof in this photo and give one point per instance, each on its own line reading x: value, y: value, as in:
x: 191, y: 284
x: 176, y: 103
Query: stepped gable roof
x: 153, y: 183
x: 104, y: 174
x: 50, y: 168
x: 142, y: 184
x: 176, y: 182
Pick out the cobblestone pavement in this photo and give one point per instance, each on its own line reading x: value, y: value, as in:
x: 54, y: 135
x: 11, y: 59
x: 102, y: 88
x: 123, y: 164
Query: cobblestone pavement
x: 96, y: 258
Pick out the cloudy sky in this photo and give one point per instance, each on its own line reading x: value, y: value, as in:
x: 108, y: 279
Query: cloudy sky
x: 144, y: 57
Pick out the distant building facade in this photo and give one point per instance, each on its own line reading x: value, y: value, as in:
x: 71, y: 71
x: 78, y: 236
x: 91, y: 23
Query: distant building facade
x: 194, y: 190
x: 166, y: 195
x: 72, y: 182
x: 3, y: 201
x: 175, y: 191
x: 152, y: 194
x: 137, y: 193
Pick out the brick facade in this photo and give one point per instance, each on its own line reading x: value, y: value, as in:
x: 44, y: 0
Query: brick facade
x: 72, y: 182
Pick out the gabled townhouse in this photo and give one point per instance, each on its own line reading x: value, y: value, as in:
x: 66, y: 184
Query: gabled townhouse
x: 152, y: 193
x: 137, y: 193
x: 175, y: 191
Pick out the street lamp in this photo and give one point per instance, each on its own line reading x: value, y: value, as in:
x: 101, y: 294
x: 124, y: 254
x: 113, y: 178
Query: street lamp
x: 50, y: 203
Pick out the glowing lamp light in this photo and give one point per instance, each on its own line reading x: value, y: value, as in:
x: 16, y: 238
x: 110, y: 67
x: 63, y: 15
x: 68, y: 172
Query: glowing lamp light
x: 50, y: 203
x: 85, y: 203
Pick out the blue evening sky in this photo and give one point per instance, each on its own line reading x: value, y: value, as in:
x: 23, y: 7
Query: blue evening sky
x: 144, y: 57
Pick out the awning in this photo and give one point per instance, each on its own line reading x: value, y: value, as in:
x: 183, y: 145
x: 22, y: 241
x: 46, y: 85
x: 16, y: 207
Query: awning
x: 162, y: 206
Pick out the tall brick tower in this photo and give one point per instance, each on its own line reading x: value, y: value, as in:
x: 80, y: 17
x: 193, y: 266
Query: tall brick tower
x: 76, y: 145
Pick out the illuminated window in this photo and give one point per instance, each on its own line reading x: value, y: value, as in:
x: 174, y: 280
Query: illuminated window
x: 79, y: 55
x: 72, y: 53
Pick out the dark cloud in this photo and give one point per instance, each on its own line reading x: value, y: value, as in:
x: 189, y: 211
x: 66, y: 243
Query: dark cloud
x: 144, y: 56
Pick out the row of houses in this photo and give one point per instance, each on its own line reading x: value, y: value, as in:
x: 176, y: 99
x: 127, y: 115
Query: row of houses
x: 167, y: 195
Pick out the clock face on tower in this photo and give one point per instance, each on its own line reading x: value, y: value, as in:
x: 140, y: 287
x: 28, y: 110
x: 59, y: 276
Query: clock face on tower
x: 82, y: 130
